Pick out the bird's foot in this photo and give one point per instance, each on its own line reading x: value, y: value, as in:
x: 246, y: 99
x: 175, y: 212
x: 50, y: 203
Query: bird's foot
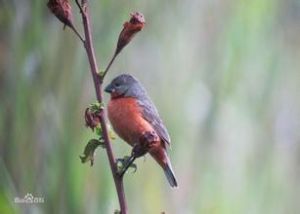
x: 123, y: 164
x: 146, y: 142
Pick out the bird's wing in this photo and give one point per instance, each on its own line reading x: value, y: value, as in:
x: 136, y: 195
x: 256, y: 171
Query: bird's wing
x: 151, y: 115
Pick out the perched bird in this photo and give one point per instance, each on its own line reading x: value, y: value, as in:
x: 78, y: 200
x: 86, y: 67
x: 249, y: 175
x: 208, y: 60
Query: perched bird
x: 136, y: 120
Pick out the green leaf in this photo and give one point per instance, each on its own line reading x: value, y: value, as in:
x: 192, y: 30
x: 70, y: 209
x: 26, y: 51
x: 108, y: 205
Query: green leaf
x: 89, y: 150
x: 99, y: 131
x: 101, y: 73
x: 95, y: 107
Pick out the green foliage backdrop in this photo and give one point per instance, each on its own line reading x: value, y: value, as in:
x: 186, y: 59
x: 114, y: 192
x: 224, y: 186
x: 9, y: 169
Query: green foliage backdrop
x: 223, y: 74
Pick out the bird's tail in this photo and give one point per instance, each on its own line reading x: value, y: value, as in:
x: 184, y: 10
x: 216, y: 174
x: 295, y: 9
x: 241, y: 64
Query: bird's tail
x: 161, y: 156
x: 170, y: 174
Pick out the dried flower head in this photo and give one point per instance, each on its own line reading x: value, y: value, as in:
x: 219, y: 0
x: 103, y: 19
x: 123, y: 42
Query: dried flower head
x: 92, y: 117
x: 135, y: 24
x: 62, y: 10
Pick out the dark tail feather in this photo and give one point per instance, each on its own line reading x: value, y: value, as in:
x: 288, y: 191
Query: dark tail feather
x: 170, y: 175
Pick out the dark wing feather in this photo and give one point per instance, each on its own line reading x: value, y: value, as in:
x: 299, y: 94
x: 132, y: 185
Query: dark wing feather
x: 150, y: 114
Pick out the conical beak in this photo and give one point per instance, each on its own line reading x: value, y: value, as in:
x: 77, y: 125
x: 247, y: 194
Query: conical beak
x: 109, y: 89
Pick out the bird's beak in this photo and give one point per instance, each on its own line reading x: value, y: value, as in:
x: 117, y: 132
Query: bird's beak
x: 109, y: 89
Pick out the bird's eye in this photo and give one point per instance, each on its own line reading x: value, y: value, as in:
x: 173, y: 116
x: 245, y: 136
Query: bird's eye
x: 117, y: 85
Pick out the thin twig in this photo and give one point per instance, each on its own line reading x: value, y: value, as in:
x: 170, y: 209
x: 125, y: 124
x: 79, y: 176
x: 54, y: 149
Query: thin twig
x: 98, y: 88
x: 79, y: 6
x: 108, y: 66
x: 77, y: 33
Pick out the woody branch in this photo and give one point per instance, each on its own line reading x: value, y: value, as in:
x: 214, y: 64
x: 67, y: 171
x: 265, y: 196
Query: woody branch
x: 63, y: 11
x: 99, y: 94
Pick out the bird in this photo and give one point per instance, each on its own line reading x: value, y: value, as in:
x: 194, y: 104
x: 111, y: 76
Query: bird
x: 135, y: 119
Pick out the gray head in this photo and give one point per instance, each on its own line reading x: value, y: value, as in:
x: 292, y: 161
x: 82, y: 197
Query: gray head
x: 125, y: 85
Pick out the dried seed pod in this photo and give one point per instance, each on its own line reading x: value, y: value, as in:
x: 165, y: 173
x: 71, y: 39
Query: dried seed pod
x: 62, y: 10
x: 135, y: 24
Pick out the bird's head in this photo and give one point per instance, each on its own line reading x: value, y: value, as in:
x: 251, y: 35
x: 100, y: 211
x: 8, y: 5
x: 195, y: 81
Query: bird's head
x: 125, y: 85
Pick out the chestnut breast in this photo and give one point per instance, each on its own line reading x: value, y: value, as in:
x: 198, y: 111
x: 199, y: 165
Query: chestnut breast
x: 127, y: 120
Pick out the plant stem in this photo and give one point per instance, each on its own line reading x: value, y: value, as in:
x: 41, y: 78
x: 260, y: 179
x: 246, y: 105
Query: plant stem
x: 108, y: 66
x: 77, y: 33
x: 98, y: 88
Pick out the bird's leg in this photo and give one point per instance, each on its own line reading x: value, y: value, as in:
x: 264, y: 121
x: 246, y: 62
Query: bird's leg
x: 138, y: 150
x: 128, y: 162
x: 146, y: 141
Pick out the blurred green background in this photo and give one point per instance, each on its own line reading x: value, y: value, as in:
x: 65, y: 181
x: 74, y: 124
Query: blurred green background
x: 223, y: 74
